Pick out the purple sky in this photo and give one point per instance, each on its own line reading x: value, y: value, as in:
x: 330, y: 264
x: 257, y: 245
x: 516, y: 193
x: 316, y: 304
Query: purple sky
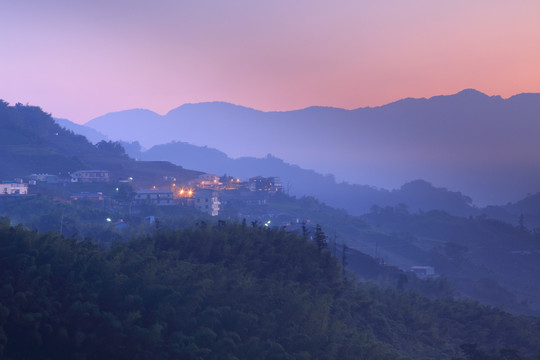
x: 82, y: 59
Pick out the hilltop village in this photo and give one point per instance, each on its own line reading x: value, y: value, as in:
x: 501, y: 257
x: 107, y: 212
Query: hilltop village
x: 207, y: 193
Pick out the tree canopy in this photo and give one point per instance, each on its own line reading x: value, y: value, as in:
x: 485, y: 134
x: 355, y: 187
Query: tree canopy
x: 224, y: 292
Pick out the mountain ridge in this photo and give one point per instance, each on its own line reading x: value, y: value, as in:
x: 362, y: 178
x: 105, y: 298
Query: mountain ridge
x: 33, y: 142
x: 468, y: 141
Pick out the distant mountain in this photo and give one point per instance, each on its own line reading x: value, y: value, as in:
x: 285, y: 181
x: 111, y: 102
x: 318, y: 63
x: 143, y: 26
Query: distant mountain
x: 484, y: 146
x: 32, y: 142
x: 92, y: 135
x: 356, y: 199
x: 123, y: 124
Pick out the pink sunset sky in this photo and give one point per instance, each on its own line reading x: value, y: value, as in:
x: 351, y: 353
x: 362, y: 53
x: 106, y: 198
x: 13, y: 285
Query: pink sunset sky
x: 82, y: 59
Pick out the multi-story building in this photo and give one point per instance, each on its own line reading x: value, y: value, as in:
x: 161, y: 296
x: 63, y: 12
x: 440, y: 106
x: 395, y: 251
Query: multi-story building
x: 154, y: 197
x: 207, y: 201
x: 13, y: 188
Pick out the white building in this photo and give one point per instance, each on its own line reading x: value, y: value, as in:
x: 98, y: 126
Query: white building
x: 207, y: 201
x: 90, y: 176
x: 154, y: 197
x: 13, y: 188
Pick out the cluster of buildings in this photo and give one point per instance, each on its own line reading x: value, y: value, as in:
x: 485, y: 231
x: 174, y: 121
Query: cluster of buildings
x: 81, y: 176
x: 204, y: 200
x: 223, y: 183
x: 206, y: 193
x: 20, y: 187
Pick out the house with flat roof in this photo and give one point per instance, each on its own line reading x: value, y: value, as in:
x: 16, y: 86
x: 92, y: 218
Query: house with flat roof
x: 87, y: 176
x: 268, y: 184
x: 153, y: 197
x: 13, y: 188
x: 46, y: 178
x: 93, y: 197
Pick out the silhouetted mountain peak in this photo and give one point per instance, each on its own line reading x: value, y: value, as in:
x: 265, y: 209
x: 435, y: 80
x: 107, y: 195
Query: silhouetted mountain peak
x: 211, y: 106
x: 471, y: 93
x: 130, y: 113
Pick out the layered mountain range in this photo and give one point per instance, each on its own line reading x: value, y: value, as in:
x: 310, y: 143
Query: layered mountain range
x: 484, y: 146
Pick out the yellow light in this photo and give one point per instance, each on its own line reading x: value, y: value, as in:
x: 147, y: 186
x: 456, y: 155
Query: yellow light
x: 190, y: 192
x: 182, y: 191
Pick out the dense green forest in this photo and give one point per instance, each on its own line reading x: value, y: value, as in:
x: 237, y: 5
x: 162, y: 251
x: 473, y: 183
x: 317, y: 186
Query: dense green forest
x: 226, y: 291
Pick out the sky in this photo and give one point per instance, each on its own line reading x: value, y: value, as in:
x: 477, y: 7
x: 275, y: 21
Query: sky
x: 82, y: 59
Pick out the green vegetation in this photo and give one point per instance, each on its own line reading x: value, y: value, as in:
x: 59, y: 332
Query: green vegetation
x: 225, y: 292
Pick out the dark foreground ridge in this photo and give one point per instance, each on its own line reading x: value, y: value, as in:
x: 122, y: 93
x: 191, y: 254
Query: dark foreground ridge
x: 226, y: 292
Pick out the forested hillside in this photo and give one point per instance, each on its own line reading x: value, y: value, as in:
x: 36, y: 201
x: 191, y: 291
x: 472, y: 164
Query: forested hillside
x: 32, y: 142
x: 226, y: 292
